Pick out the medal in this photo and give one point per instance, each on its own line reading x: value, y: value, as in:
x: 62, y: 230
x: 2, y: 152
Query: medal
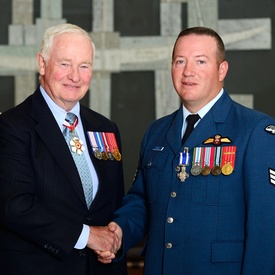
x: 227, y: 169
x: 94, y: 144
x: 216, y: 170
x: 77, y: 145
x: 228, y: 159
x: 99, y: 141
x: 196, y: 165
x: 205, y: 171
x: 107, y: 147
x: 104, y: 145
x: 196, y: 169
x: 113, y: 146
x: 117, y: 155
x: 182, y: 175
x: 208, y: 152
x: 97, y: 154
x: 110, y: 156
x: 104, y: 155
x: 183, y: 162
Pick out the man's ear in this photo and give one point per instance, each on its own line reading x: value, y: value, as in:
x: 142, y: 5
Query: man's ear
x: 41, y: 63
x: 223, y: 68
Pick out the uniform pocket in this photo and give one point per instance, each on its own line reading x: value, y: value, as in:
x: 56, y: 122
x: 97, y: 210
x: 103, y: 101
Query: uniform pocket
x: 227, y: 251
x: 213, y: 190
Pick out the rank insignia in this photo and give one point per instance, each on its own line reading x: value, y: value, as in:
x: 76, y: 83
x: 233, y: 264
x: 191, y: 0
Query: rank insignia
x: 270, y: 129
x: 217, y: 140
x: 271, y: 176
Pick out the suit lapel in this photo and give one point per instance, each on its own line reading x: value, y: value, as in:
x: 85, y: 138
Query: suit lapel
x: 51, y: 135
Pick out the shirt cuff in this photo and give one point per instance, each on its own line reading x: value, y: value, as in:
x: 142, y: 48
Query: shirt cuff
x: 83, y: 238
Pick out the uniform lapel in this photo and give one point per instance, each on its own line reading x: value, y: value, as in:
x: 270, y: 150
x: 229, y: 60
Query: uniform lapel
x: 173, y: 134
x: 205, y: 129
x: 208, y: 126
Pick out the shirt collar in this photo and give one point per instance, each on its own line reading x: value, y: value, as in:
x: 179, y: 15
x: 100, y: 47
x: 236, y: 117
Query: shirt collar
x: 204, y: 110
x: 59, y: 113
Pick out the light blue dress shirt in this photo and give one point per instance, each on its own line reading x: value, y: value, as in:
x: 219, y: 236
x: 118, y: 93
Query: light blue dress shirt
x: 59, y: 115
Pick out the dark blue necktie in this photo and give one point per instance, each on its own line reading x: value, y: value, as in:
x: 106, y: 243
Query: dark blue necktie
x: 191, y: 121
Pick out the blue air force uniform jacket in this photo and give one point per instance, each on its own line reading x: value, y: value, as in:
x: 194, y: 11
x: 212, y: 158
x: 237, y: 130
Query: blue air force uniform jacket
x: 205, y: 225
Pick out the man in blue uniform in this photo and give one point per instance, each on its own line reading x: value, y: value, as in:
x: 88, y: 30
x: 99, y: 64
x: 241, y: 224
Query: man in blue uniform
x: 206, y: 203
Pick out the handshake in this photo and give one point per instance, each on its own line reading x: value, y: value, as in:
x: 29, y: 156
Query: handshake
x: 105, y: 241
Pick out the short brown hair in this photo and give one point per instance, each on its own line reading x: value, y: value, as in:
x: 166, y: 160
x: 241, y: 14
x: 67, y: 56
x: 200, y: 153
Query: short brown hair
x: 207, y: 32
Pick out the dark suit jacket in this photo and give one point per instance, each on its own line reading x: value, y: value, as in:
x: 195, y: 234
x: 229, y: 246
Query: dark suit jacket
x: 206, y: 225
x: 42, y: 202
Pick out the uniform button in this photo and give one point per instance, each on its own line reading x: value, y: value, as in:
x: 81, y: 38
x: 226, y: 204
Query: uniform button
x: 170, y: 220
x: 149, y: 163
x: 173, y: 194
x: 169, y: 245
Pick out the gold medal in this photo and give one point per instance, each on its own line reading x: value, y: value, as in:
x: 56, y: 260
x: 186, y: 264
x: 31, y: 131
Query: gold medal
x: 104, y: 155
x: 228, y: 159
x: 227, y: 169
x: 112, y: 144
x: 117, y: 155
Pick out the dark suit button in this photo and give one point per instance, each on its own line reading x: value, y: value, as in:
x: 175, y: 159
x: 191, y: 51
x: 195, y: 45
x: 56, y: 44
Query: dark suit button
x: 82, y: 253
x: 88, y: 219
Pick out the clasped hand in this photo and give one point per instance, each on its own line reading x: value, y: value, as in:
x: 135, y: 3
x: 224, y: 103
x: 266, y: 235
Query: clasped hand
x: 105, y: 241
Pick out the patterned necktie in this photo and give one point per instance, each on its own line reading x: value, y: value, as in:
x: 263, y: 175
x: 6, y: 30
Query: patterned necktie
x: 191, y: 121
x: 76, y: 149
